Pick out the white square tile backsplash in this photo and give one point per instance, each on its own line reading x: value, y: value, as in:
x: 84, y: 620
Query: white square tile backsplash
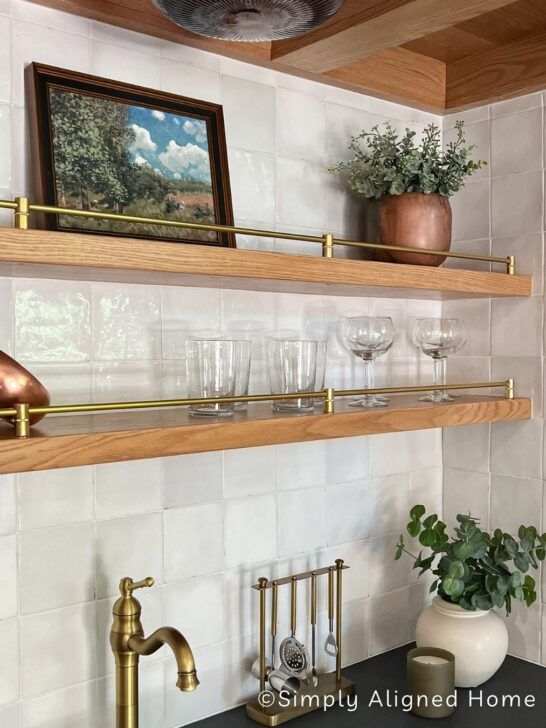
x: 208, y: 526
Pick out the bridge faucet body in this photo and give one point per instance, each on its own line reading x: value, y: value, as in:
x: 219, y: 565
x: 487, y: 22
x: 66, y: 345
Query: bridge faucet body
x: 128, y: 643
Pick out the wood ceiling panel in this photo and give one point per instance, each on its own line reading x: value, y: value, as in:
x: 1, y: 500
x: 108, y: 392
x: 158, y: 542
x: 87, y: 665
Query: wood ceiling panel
x: 449, y: 45
x: 381, y: 27
x: 397, y: 74
x: 504, y: 72
x: 508, y: 23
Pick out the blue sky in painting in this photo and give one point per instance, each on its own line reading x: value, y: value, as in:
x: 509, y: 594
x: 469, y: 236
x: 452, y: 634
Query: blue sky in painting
x: 174, y: 145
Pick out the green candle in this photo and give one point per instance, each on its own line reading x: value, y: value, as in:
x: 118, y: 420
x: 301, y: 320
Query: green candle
x: 431, y: 682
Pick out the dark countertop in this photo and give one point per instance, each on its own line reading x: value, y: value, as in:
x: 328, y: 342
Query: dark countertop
x: 388, y: 672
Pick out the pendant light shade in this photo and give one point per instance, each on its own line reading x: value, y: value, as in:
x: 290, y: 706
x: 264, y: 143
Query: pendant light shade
x: 249, y: 20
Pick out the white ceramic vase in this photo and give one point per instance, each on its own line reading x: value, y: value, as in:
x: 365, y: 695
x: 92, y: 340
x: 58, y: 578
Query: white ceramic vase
x: 479, y: 640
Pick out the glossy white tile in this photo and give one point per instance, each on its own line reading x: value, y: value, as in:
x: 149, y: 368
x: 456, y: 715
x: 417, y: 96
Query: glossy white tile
x: 302, y: 520
x: 250, y: 472
x: 297, y: 203
x: 196, y: 608
x: 301, y: 126
x: 466, y: 493
x: 253, y: 186
x: 5, y: 150
x: 36, y: 43
x: 389, y: 454
x: 386, y: 574
x: 516, y: 448
x: 346, y: 459
x: 515, y: 501
x: 301, y: 465
x: 389, y: 504
x: 128, y: 547
x: 55, y: 497
x: 250, y: 530
x: 5, y: 59
x: 388, y: 621
x: 8, y: 577
x: 52, y: 322
x: 128, y: 488
x: 126, y: 322
x: 57, y: 567
x: 75, y: 706
x: 9, y: 665
x: 125, y: 64
x: 348, y: 512
x: 192, y: 479
x: 249, y: 111
x: 56, y: 633
x: 194, y: 541
x: 190, y: 81
x: 8, y: 505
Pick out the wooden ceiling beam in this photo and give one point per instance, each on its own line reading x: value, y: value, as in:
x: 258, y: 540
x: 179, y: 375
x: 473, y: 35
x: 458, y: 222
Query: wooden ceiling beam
x: 398, y: 75
x: 384, y: 25
x: 501, y: 73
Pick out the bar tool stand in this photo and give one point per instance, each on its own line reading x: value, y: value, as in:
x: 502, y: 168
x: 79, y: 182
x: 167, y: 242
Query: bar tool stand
x: 332, y: 687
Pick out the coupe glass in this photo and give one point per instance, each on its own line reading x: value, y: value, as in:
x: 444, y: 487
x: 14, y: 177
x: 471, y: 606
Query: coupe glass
x: 368, y: 337
x: 437, y: 338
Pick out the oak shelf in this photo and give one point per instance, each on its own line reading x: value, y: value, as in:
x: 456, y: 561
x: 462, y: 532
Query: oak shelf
x: 72, y: 440
x: 87, y: 257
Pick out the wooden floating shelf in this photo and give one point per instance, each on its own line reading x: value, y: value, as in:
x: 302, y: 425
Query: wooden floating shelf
x: 71, y: 440
x: 87, y: 257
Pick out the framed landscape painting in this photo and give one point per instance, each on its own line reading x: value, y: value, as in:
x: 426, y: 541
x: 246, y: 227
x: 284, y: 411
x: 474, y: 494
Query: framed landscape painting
x: 116, y: 148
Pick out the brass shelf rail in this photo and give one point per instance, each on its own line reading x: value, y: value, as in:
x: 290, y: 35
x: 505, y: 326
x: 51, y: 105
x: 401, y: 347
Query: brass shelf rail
x: 20, y: 414
x: 22, y: 208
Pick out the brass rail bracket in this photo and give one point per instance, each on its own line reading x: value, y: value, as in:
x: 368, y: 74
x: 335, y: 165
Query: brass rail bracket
x: 21, y: 414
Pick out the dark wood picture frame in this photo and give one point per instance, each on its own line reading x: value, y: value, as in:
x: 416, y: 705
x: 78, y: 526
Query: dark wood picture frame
x: 47, y: 78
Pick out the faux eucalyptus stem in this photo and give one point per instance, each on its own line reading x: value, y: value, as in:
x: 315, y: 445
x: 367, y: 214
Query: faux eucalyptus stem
x: 383, y: 163
x: 473, y: 568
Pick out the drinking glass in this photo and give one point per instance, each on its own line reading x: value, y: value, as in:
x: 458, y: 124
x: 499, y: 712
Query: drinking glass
x: 242, y: 372
x: 211, y: 366
x: 293, y: 368
x: 437, y: 338
x: 368, y: 337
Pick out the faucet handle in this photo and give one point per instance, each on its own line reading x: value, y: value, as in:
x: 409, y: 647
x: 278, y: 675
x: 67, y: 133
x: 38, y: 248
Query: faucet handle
x: 127, y: 585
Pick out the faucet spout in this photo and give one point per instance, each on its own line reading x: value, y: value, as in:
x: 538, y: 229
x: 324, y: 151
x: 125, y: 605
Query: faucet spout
x: 187, y: 675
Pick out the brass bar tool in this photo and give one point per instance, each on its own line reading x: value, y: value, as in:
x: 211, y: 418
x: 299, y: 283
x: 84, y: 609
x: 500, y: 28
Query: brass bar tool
x: 294, y: 656
x: 330, y: 646
x: 314, y: 676
x: 339, y: 599
x: 274, y: 605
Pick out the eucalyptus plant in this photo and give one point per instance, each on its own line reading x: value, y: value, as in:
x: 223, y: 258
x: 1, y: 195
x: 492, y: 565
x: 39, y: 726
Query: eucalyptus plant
x: 474, y: 568
x: 384, y: 164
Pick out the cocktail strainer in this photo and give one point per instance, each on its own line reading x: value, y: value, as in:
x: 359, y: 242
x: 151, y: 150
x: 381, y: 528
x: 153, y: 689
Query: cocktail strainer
x: 294, y: 656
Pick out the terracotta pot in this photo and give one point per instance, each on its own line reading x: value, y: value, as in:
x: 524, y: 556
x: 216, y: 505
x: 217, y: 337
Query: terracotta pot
x: 415, y: 220
x: 19, y: 386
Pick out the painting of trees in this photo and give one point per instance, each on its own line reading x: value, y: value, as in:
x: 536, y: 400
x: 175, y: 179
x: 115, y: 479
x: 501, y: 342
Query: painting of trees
x: 91, y: 140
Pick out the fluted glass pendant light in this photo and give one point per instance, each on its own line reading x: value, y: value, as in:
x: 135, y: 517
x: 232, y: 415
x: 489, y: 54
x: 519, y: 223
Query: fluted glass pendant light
x: 249, y: 20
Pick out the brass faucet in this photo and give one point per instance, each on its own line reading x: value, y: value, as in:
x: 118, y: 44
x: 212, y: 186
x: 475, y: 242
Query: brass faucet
x: 128, y: 643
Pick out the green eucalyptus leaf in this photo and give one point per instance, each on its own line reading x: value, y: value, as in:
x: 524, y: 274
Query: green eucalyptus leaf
x: 414, y: 528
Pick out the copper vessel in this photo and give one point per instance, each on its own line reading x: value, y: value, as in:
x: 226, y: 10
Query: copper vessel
x: 19, y: 386
x: 415, y: 220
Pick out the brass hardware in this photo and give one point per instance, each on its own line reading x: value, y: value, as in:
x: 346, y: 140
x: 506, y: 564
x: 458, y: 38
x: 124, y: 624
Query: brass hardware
x: 22, y: 420
x: 329, y: 402
x: 327, y: 395
x: 262, y: 583
x: 332, y: 687
x: 128, y: 643
x: 510, y: 389
x: 327, y: 241
x: 511, y: 265
x: 327, y: 246
x: 21, y: 213
x: 339, y: 590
